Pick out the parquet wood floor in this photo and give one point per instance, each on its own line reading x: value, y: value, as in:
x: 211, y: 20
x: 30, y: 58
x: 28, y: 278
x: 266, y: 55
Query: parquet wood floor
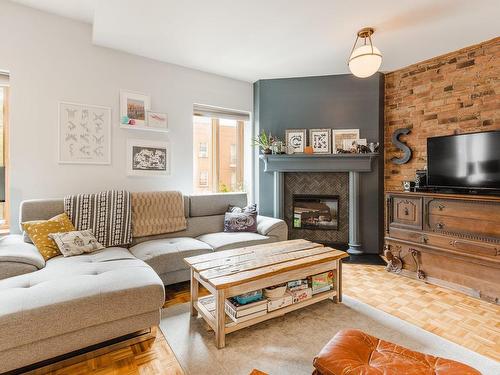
x: 464, y: 320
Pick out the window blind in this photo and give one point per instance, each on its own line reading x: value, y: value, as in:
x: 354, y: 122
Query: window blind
x: 217, y: 112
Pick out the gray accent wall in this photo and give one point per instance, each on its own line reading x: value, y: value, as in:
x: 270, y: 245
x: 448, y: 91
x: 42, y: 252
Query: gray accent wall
x: 336, y: 102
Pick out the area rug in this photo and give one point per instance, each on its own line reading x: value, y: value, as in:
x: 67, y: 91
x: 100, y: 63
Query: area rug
x: 287, y: 345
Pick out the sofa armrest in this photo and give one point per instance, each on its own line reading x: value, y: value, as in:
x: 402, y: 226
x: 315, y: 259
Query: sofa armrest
x: 17, y: 254
x: 272, y: 227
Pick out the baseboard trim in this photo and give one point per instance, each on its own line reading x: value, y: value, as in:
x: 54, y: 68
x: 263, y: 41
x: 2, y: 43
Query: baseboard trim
x: 84, y: 354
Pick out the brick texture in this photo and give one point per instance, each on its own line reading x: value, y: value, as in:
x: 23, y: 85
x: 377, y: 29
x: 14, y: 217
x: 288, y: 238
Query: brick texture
x: 455, y: 93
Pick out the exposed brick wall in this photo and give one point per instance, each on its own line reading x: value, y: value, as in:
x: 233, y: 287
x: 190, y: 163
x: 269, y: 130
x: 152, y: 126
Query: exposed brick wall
x: 457, y: 92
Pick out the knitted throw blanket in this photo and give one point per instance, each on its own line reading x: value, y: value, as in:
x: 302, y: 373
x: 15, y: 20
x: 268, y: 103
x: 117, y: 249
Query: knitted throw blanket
x: 157, y: 212
x: 108, y: 214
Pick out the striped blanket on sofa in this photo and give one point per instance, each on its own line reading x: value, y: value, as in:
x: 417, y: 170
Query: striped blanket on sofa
x: 108, y: 214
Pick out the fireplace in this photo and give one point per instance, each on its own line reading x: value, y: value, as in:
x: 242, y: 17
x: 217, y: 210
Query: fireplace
x: 319, y: 212
x: 316, y: 206
x: 335, y: 174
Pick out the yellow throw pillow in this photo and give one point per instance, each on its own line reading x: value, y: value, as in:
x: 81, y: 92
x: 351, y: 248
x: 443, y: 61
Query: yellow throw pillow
x: 39, y: 231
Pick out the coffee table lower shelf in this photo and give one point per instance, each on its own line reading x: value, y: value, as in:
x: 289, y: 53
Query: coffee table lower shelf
x: 233, y: 326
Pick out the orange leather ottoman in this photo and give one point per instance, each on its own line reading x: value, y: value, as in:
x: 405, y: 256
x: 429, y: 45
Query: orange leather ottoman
x: 355, y: 352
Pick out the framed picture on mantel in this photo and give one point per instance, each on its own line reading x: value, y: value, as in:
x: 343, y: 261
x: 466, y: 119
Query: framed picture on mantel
x: 320, y: 140
x: 341, y: 135
x: 297, y: 139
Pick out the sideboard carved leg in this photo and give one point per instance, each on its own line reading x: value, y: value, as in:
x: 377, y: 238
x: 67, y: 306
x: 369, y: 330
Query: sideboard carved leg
x: 394, y: 262
x: 414, y: 254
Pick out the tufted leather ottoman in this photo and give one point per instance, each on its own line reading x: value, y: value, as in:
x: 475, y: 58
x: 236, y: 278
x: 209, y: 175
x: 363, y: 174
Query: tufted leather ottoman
x: 355, y: 352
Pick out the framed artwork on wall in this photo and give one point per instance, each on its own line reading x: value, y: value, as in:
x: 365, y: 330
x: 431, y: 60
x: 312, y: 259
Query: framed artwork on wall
x: 340, y: 135
x: 133, y: 108
x: 84, y: 134
x: 156, y: 121
x: 320, y: 140
x: 148, y: 158
x: 297, y: 139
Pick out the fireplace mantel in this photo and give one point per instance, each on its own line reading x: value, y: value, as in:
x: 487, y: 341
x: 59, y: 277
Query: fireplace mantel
x: 351, y: 163
x: 318, y: 163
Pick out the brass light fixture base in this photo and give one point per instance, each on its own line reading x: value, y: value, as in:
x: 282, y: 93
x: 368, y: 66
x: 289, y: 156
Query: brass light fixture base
x: 366, y: 32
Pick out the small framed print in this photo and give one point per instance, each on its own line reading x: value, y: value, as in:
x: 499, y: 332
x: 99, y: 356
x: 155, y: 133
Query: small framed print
x: 320, y: 140
x: 156, y: 121
x: 341, y: 135
x: 148, y: 158
x: 133, y: 107
x: 297, y: 139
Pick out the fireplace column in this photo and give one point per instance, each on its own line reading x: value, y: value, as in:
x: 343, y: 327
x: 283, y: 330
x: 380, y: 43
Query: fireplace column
x: 354, y: 244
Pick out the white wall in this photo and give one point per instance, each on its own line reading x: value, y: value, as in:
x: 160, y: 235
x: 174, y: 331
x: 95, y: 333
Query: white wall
x: 50, y: 59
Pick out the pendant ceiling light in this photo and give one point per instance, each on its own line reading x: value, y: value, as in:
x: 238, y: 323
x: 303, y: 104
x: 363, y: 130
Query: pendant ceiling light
x: 366, y: 59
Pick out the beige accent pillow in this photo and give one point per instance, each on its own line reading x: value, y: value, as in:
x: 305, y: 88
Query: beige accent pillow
x: 76, y: 242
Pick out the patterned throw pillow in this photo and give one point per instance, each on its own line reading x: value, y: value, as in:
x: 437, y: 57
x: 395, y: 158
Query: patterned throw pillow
x: 39, y: 231
x: 76, y: 242
x: 239, y: 219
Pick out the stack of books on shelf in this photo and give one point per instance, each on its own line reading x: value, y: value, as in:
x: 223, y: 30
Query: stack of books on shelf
x: 242, y: 312
x: 237, y: 312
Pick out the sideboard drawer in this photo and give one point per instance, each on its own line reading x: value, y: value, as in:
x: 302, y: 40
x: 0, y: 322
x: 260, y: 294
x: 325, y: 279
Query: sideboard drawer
x: 470, y: 209
x: 406, y: 212
x: 464, y: 226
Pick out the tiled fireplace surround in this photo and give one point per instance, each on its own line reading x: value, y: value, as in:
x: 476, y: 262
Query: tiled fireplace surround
x: 331, y: 183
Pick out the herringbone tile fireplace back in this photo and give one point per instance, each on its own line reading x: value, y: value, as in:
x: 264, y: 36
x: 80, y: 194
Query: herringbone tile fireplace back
x: 318, y: 183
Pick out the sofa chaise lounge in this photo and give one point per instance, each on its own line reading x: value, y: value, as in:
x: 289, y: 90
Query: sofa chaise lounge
x: 51, y: 308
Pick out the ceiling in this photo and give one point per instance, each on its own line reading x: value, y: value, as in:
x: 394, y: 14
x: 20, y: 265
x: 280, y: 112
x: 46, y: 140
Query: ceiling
x: 258, y: 39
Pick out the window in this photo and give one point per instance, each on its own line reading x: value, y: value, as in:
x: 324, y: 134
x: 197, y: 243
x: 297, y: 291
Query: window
x: 203, y: 181
x: 203, y: 153
x: 4, y: 117
x: 218, y: 137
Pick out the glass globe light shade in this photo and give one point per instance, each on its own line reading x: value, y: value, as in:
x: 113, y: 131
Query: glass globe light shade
x: 363, y: 62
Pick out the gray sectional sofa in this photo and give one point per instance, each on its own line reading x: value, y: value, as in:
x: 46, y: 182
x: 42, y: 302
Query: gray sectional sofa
x: 51, y: 308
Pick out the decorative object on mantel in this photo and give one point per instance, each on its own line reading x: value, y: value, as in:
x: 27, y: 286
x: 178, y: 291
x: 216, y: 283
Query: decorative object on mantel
x: 364, y: 61
x: 297, y: 139
x: 84, y: 134
x: 339, y: 135
x: 264, y: 141
x: 401, y: 145
x: 320, y: 140
x: 133, y: 108
x: 278, y: 146
x: 147, y: 158
x: 373, y: 146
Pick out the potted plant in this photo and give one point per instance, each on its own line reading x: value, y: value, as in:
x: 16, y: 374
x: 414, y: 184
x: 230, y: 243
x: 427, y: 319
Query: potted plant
x: 264, y: 141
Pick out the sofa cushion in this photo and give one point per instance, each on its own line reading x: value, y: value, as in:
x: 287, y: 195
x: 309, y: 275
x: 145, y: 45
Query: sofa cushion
x: 39, y: 231
x: 167, y: 254
x: 18, y: 257
x: 39, y: 209
x: 215, y: 204
x: 73, y: 293
x: 227, y: 240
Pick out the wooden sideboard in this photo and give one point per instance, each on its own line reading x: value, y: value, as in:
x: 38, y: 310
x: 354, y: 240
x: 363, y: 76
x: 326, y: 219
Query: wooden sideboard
x: 446, y: 239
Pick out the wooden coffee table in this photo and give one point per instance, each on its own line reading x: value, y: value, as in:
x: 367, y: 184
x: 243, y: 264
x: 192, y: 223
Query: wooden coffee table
x: 233, y: 272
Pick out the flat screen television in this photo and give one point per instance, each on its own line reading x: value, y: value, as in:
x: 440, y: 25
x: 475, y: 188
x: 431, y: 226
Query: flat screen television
x: 464, y: 161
